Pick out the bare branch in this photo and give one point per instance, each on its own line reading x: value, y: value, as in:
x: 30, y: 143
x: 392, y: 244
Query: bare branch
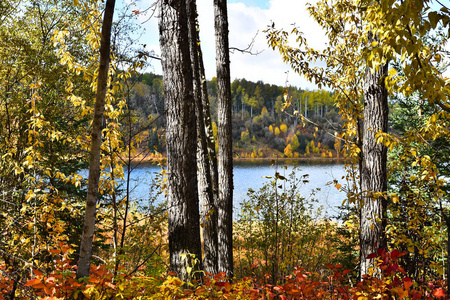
x: 151, y: 7
x: 147, y: 54
x: 145, y: 260
x: 441, y: 4
x: 443, y: 106
x: 249, y: 49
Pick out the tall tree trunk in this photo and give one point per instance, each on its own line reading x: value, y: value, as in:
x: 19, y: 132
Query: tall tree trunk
x: 84, y: 261
x: 212, y: 156
x: 447, y: 222
x: 211, y: 143
x: 225, y: 202
x: 182, y: 193
x: 373, y: 166
x: 208, y: 211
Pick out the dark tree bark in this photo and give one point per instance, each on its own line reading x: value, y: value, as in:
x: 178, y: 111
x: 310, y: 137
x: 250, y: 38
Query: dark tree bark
x: 208, y: 210
x: 182, y: 193
x: 225, y: 165
x: 446, y: 218
x: 84, y: 261
x: 373, y: 166
x: 210, y: 142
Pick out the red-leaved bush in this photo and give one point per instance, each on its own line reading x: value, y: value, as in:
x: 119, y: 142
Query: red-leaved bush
x: 390, y: 283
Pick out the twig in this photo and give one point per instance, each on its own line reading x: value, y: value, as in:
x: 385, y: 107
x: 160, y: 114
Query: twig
x: 145, y: 260
x: 249, y: 48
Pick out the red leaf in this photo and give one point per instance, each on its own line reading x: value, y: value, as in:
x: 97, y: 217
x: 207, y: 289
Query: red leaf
x: 381, y: 251
x: 370, y: 256
x: 438, y: 293
x: 37, y: 272
x: 394, y: 254
x: 329, y: 266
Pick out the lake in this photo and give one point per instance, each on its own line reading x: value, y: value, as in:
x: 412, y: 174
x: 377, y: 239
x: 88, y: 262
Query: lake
x: 251, y: 174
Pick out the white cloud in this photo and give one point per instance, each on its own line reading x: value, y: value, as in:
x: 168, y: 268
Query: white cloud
x: 244, y: 23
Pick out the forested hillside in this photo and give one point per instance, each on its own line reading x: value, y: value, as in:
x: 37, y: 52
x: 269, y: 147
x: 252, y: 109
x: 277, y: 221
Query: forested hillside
x: 263, y: 125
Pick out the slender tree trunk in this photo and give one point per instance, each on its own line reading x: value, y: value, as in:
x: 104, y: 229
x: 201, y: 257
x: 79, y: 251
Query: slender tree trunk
x: 182, y: 193
x: 446, y: 218
x: 211, y: 143
x: 447, y: 222
x: 225, y: 202
x: 208, y: 211
x: 84, y: 261
x: 306, y: 106
x: 373, y: 166
x: 212, y: 156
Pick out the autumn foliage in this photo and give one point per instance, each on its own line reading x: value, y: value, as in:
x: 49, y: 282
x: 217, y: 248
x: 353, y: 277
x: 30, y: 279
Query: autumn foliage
x: 61, y: 283
x: 49, y: 59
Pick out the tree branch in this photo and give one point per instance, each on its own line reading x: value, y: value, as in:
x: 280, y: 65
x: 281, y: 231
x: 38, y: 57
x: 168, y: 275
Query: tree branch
x: 249, y: 48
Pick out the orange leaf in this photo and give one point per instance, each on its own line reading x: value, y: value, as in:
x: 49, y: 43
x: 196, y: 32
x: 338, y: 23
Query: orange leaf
x: 407, y: 282
x: 400, y: 292
x: 33, y: 282
x: 94, y: 280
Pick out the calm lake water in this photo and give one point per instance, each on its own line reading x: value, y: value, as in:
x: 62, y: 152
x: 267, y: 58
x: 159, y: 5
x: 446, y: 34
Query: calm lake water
x: 251, y: 174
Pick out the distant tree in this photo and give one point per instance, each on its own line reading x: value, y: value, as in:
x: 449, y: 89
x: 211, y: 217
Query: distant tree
x: 294, y: 142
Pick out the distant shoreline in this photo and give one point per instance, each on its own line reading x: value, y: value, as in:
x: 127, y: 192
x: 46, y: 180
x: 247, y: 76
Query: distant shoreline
x: 149, y: 159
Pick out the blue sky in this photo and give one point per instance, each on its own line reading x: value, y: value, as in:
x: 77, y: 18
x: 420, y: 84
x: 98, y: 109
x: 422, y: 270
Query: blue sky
x: 247, y: 19
x: 263, y: 4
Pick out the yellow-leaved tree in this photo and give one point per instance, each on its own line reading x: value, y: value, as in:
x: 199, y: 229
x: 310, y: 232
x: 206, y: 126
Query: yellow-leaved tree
x: 363, y: 37
x: 40, y: 149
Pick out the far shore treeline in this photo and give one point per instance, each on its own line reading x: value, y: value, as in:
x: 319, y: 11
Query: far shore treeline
x: 263, y: 126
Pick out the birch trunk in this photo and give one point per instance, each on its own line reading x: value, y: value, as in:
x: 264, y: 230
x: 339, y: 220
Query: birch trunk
x: 87, y: 237
x: 373, y: 167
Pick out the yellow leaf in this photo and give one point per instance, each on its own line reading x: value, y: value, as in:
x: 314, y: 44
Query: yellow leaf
x: 392, y: 72
x: 394, y: 198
